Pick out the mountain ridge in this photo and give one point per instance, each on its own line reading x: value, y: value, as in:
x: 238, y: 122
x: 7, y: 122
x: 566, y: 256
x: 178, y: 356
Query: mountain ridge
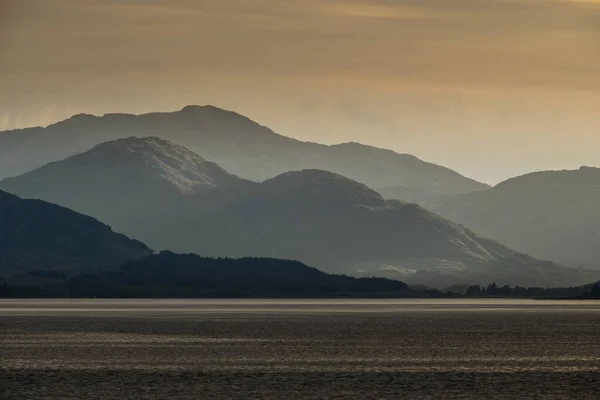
x: 237, y: 143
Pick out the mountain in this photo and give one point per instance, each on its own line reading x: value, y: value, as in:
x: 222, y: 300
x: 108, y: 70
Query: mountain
x: 39, y: 235
x: 323, y: 219
x: 237, y: 143
x: 154, y: 164
x: 333, y: 222
x: 553, y: 214
x: 141, y: 187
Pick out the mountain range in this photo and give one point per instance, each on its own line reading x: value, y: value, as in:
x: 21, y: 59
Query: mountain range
x: 329, y: 206
x: 239, y: 145
x: 171, y: 198
x: 552, y: 214
x: 37, y: 235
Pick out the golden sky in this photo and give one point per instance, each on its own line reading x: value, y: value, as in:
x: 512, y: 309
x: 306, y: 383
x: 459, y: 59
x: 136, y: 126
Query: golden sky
x: 491, y: 88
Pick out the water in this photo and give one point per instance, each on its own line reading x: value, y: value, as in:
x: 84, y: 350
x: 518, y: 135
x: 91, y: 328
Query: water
x: 304, y: 349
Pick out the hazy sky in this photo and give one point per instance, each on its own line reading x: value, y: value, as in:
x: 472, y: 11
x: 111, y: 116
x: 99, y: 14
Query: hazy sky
x: 491, y: 88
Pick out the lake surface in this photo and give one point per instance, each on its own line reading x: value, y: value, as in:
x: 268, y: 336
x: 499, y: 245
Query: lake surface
x: 299, y: 349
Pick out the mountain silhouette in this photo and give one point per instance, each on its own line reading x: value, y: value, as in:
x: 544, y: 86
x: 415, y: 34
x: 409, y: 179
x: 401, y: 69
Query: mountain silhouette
x: 186, y: 275
x: 238, y: 144
x: 551, y: 214
x: 38, y: 235
x: 317, y: 217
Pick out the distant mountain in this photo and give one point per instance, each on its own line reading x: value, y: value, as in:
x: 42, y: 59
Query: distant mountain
x: 425, y: 197
x: 237, y: 143
x: 38, y: 235
x: 552, y: 215
x: 318, y: 217
x: 333, y: 222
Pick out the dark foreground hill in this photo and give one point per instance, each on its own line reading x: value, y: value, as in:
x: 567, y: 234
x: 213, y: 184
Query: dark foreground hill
x: 169, y: 275
x: 240, y: 145
x: 38, y: 235
x: 171, y: 198
x: 553, y: 215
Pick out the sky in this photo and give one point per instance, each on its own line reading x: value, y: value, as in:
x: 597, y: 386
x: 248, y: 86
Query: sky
x: 490, y: 88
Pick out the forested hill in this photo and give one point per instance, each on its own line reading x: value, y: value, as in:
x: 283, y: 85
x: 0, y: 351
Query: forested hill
x: 170, y: 275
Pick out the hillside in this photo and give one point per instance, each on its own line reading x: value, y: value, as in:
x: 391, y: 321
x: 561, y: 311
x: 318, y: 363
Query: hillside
x: 238, y: 144
x: 38, y: 235
x: 173, y: 275
x: 551, y: 214
x: 323, y: 219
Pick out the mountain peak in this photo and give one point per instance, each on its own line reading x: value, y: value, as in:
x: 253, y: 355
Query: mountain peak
x: 312, y: 184
x: 151, y: 150
x: 146, y: 161
x: 149, y: 144
x: 80, y: 118
x: 207, y: 111
x: 218, y: 119
x: 585, y: 168
x: 199, y: 108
